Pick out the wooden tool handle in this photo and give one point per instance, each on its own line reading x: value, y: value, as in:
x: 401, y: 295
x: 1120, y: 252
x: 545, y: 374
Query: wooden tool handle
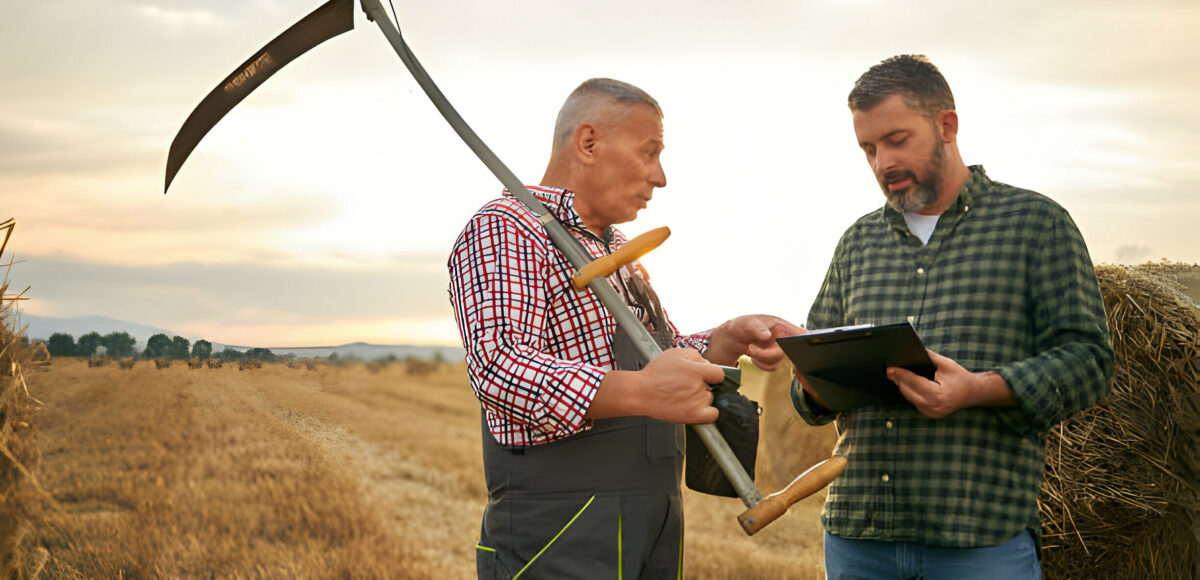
x: 808, y: 483
x: 631, y: 251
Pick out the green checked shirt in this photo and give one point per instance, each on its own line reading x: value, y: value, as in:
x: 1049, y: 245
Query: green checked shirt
x: 1005, y: 284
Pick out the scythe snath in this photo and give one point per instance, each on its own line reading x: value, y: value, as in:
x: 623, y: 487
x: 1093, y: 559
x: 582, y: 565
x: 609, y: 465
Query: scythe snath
x: 337, y: 16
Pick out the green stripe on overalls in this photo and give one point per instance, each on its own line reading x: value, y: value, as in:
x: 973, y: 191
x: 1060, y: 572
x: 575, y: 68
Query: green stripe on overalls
x: 485, y: 548
x: 679, y: 570
x: 551, y: 542
x: 620, y: 555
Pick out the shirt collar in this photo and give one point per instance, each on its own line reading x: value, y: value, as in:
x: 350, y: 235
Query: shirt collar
x: 560, y: 201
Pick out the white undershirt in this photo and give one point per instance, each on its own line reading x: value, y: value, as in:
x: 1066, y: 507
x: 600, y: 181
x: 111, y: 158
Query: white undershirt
x: 921, y: 225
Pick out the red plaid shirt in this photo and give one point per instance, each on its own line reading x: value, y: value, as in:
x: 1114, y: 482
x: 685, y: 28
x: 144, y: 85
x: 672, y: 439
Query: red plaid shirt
x: 537, y: 348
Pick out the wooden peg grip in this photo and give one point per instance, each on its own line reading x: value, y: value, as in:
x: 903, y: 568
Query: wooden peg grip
x: 631, y: 251
x: 806, y: 484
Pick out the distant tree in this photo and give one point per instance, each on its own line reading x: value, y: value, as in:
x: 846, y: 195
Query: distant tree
x: 180, y: 347
x: 158, y: 346
x: 230, y: 354
x: 86, y: 345
x: 61, y: 344
x: 202, y: 349
x: 262, y: 354
x: 119, y: 344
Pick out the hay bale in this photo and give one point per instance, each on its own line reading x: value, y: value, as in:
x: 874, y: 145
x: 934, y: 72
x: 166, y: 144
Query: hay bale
x: 214, y: 363
x: 162, y: 363
x: 195, y: 363
x: 126, y: 363
x: 21, y: 497
x: 97, y: 361
x: 39, y: 355
x: 1122, y: 489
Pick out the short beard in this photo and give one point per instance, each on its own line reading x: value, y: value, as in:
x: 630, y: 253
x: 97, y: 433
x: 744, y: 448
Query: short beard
x: 922, y: 193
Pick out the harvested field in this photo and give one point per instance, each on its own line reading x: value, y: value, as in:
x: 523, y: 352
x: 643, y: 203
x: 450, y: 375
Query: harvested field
x: 344, y: 471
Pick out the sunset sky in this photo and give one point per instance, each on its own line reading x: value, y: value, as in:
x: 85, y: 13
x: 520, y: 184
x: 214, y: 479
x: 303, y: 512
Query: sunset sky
x: 322, y: 209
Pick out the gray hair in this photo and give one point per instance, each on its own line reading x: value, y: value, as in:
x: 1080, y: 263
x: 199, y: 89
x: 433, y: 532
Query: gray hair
x: 911, y: 76
x: 590, y: 97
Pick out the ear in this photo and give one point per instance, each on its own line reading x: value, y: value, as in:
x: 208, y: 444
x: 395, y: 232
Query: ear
x: 584, y: 142
x: 947, y: 125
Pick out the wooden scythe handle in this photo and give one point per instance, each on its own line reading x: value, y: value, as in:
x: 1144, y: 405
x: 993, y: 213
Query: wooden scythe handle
x: 806, y: 484
x: 631, y: 251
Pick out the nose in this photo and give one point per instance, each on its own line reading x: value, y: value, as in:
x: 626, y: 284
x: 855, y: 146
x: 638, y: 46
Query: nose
x: 884, y: 161
x: 658, y: 177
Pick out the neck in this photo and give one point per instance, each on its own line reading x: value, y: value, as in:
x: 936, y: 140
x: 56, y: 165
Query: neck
x: 561, y: 175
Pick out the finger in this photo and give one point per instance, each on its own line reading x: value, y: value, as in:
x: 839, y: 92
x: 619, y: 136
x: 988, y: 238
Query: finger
x: 785, y: 328
x: 689, y: 354
x: 902, y: 377
x: 766, y: 359
x: 707, y: 414
x: 770, y: 350
x: 710, y: 373
x: 755, y: 328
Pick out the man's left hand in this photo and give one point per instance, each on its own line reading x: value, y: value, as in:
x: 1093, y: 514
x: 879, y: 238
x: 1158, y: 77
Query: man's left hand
x: 752, y: 335
x: 952, y: 388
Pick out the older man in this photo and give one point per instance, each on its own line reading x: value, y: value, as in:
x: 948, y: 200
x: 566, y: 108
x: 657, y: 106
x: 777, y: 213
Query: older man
x: 582, y: 445
x: 998, y: 283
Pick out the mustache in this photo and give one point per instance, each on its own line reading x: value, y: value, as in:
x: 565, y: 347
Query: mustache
x: 898, y: 175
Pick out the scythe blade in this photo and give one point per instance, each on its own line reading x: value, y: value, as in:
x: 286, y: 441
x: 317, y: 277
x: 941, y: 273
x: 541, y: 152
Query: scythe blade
x: 329, y: 20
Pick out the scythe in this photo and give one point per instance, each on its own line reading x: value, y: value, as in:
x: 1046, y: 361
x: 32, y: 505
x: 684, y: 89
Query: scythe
x: 337, y: 16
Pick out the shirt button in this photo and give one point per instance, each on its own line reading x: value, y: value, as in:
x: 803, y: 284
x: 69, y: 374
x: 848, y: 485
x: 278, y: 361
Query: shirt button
x: 889, y: 425
x: 920, y: 270
x: 885, y: 478
x: 910, y: 319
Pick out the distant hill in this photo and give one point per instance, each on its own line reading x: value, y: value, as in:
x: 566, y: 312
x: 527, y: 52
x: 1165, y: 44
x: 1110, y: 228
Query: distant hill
x: 364, y: 351
x: 43, y: 326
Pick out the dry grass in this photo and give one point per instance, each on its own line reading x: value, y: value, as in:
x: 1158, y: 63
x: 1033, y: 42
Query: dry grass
x: 342, y: 472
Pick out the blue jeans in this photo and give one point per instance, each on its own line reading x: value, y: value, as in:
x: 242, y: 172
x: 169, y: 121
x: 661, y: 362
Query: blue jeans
x: 850, y: 559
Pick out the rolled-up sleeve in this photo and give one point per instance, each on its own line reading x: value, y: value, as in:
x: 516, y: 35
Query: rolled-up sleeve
x: 1073, y: 365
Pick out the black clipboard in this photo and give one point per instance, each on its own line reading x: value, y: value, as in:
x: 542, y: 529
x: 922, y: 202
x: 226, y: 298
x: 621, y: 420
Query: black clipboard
x: 847, y: 366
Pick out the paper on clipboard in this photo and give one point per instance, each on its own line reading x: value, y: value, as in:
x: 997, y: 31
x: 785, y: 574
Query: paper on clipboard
x: 847, y: 366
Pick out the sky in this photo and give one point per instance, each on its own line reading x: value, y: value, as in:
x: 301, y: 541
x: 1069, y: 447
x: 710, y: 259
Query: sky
x: 322, y: 209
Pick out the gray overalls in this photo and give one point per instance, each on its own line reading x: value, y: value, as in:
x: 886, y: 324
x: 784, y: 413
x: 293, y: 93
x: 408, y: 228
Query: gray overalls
x: 604, y: 503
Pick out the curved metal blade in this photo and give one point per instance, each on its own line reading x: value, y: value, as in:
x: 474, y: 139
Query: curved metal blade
x: 329, y: 20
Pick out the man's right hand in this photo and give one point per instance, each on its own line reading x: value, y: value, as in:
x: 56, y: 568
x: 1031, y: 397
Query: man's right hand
x: 672, y: 388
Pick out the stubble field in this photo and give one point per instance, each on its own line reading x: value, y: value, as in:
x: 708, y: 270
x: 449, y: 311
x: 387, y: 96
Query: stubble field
x: 348, y: 471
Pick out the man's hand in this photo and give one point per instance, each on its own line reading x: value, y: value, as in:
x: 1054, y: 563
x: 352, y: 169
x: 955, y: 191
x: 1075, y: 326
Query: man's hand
x: 673, y: 387
x: 952, y: 388
x: 752, y: 335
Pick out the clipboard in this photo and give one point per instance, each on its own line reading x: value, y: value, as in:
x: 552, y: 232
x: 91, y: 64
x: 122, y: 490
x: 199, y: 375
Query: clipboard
x: 847, y: 366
